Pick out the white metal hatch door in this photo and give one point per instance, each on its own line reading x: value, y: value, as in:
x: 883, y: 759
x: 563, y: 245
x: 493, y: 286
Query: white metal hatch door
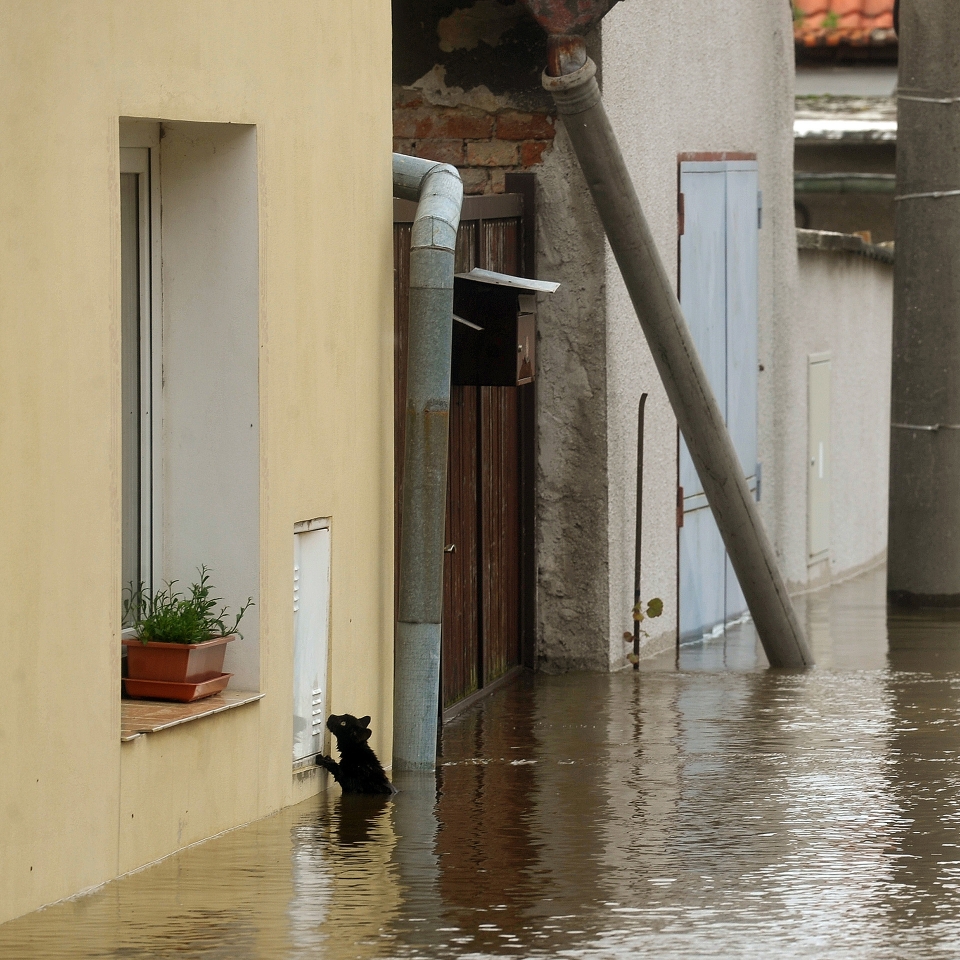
x: 311, y: 634
x: 718, y: 292
x: 818, y: 457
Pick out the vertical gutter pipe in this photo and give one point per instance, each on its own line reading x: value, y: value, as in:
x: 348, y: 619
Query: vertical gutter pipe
x: 574, y: 88
x: 438, y: 191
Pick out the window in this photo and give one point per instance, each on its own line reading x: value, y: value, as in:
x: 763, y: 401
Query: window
x: 190, y: 354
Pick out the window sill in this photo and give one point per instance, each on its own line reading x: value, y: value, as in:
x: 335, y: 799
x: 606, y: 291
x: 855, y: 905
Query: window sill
x: 138, y: 717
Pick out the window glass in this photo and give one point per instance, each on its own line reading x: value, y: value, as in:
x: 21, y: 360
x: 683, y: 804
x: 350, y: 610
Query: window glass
x: 130, y: 374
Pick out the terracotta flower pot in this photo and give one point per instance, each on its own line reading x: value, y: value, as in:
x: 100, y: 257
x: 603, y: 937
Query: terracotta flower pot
x: 176, y: 662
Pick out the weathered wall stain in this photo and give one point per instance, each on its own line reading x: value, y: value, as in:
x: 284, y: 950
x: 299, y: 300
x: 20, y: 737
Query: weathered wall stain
x: 484, y: 144
x: 467, y: 90
x: 507, y: 62
x: 486, y: 21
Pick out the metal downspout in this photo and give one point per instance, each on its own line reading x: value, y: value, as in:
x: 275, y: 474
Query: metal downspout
x: 570, y: 78
x: 438, y: 190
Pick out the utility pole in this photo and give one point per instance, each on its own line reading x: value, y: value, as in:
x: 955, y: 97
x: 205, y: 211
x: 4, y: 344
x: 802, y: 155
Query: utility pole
x: 924, y: 534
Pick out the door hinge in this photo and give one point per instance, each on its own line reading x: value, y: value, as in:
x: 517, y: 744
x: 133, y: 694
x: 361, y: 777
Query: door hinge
x: 759, y: 209
x: 680, y: 214
x: 679, y: 507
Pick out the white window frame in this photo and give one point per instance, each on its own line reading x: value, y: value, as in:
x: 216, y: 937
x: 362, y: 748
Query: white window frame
x: 139, y: 154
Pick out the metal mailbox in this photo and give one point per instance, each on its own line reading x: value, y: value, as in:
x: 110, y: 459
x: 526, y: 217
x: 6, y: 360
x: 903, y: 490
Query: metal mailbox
x: 495, y: 328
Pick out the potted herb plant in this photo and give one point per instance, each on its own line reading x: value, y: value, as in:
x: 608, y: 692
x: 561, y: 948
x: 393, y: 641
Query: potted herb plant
x: 179, y: 641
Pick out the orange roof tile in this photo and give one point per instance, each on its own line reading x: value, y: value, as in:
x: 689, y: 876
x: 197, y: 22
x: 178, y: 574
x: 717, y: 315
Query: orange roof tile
x: 862, y: 23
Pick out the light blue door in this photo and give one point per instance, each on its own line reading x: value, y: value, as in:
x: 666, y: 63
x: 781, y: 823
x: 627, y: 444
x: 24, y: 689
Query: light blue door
x: 718, y: 292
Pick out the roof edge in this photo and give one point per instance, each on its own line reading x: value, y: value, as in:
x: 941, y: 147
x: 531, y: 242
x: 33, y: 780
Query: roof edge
x: 830, y: 242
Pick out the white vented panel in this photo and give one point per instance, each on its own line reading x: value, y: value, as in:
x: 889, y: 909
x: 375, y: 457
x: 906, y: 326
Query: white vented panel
x: 818, y: 457
x: 311, y: 633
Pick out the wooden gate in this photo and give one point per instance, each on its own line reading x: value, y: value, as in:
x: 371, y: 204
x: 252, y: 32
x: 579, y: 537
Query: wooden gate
x: 488, y: 576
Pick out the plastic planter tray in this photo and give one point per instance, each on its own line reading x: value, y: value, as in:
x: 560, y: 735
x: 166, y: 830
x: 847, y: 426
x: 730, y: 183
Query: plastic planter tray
x: 170, y: 690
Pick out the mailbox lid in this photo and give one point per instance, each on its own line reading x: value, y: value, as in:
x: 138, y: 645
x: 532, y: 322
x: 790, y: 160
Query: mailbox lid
x: 520, y: 284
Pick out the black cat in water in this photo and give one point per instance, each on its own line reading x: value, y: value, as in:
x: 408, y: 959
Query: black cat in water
x: 359, y: 770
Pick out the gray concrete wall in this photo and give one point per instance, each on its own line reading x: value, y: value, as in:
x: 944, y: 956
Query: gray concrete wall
x: 572, y: 456
x: 845, y: 307
x: 676, y: 80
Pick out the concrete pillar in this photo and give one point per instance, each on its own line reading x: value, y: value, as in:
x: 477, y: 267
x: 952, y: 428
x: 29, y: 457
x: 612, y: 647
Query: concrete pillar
x: 924, y: 532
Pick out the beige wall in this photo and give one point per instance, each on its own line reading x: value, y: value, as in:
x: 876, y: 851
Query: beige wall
x: 76, y: 808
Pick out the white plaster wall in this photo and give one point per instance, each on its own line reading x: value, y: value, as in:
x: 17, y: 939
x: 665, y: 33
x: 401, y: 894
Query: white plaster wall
x: 695, y: 75
x: 844, y: 306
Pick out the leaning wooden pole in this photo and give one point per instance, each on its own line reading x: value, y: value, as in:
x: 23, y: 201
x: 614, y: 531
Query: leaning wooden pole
x: 570, y: 78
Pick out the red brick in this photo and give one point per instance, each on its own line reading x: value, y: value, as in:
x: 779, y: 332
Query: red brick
x: 525, y: 126
x: 474, y: 181
x: 412, y: 124
x: 492, y: 153
x: 532, y: 152
x: 420, y: 123
x: 463, y: 125
x: 443, y: 151
x: 405, y: 147
x: 498, y: 181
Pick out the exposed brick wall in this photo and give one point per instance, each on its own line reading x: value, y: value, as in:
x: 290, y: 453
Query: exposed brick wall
x: 483, y: 145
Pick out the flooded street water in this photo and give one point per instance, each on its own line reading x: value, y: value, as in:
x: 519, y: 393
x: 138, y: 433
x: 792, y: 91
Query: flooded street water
x: 701, y: 807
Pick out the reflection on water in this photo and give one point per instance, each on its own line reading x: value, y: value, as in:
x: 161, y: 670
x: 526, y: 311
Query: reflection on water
x: 703, y: 807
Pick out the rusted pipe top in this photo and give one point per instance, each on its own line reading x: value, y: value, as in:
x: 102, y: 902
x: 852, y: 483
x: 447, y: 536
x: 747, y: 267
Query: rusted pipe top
x: 559, y: 17
x: 565, y: 22
x: 566, y: 54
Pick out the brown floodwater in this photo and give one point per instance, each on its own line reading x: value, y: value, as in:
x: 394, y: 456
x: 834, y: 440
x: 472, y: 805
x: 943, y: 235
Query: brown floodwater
x: 704, y: 806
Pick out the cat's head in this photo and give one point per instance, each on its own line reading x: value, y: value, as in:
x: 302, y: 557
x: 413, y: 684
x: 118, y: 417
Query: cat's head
x: 349, y: 729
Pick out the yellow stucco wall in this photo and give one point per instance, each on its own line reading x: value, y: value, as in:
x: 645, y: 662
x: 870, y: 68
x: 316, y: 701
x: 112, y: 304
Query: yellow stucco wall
x: 76, y: 807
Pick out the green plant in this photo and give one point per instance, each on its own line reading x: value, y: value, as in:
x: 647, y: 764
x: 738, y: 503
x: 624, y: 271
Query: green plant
x: 831, y: 21
x: 170, y: 616
x: 653, y: 609
x: 798, y: 14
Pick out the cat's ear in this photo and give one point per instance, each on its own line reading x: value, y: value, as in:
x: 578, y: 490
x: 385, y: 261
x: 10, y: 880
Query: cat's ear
x: 367, y: 734
x: 364, y: 721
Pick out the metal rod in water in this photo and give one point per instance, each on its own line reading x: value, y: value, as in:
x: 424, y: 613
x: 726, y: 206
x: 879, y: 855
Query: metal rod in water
x: 638, y: 550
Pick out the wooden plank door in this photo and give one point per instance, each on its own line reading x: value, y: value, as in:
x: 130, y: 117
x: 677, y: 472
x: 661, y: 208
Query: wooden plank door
x: 460, y: 654
x: 500, y: 533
